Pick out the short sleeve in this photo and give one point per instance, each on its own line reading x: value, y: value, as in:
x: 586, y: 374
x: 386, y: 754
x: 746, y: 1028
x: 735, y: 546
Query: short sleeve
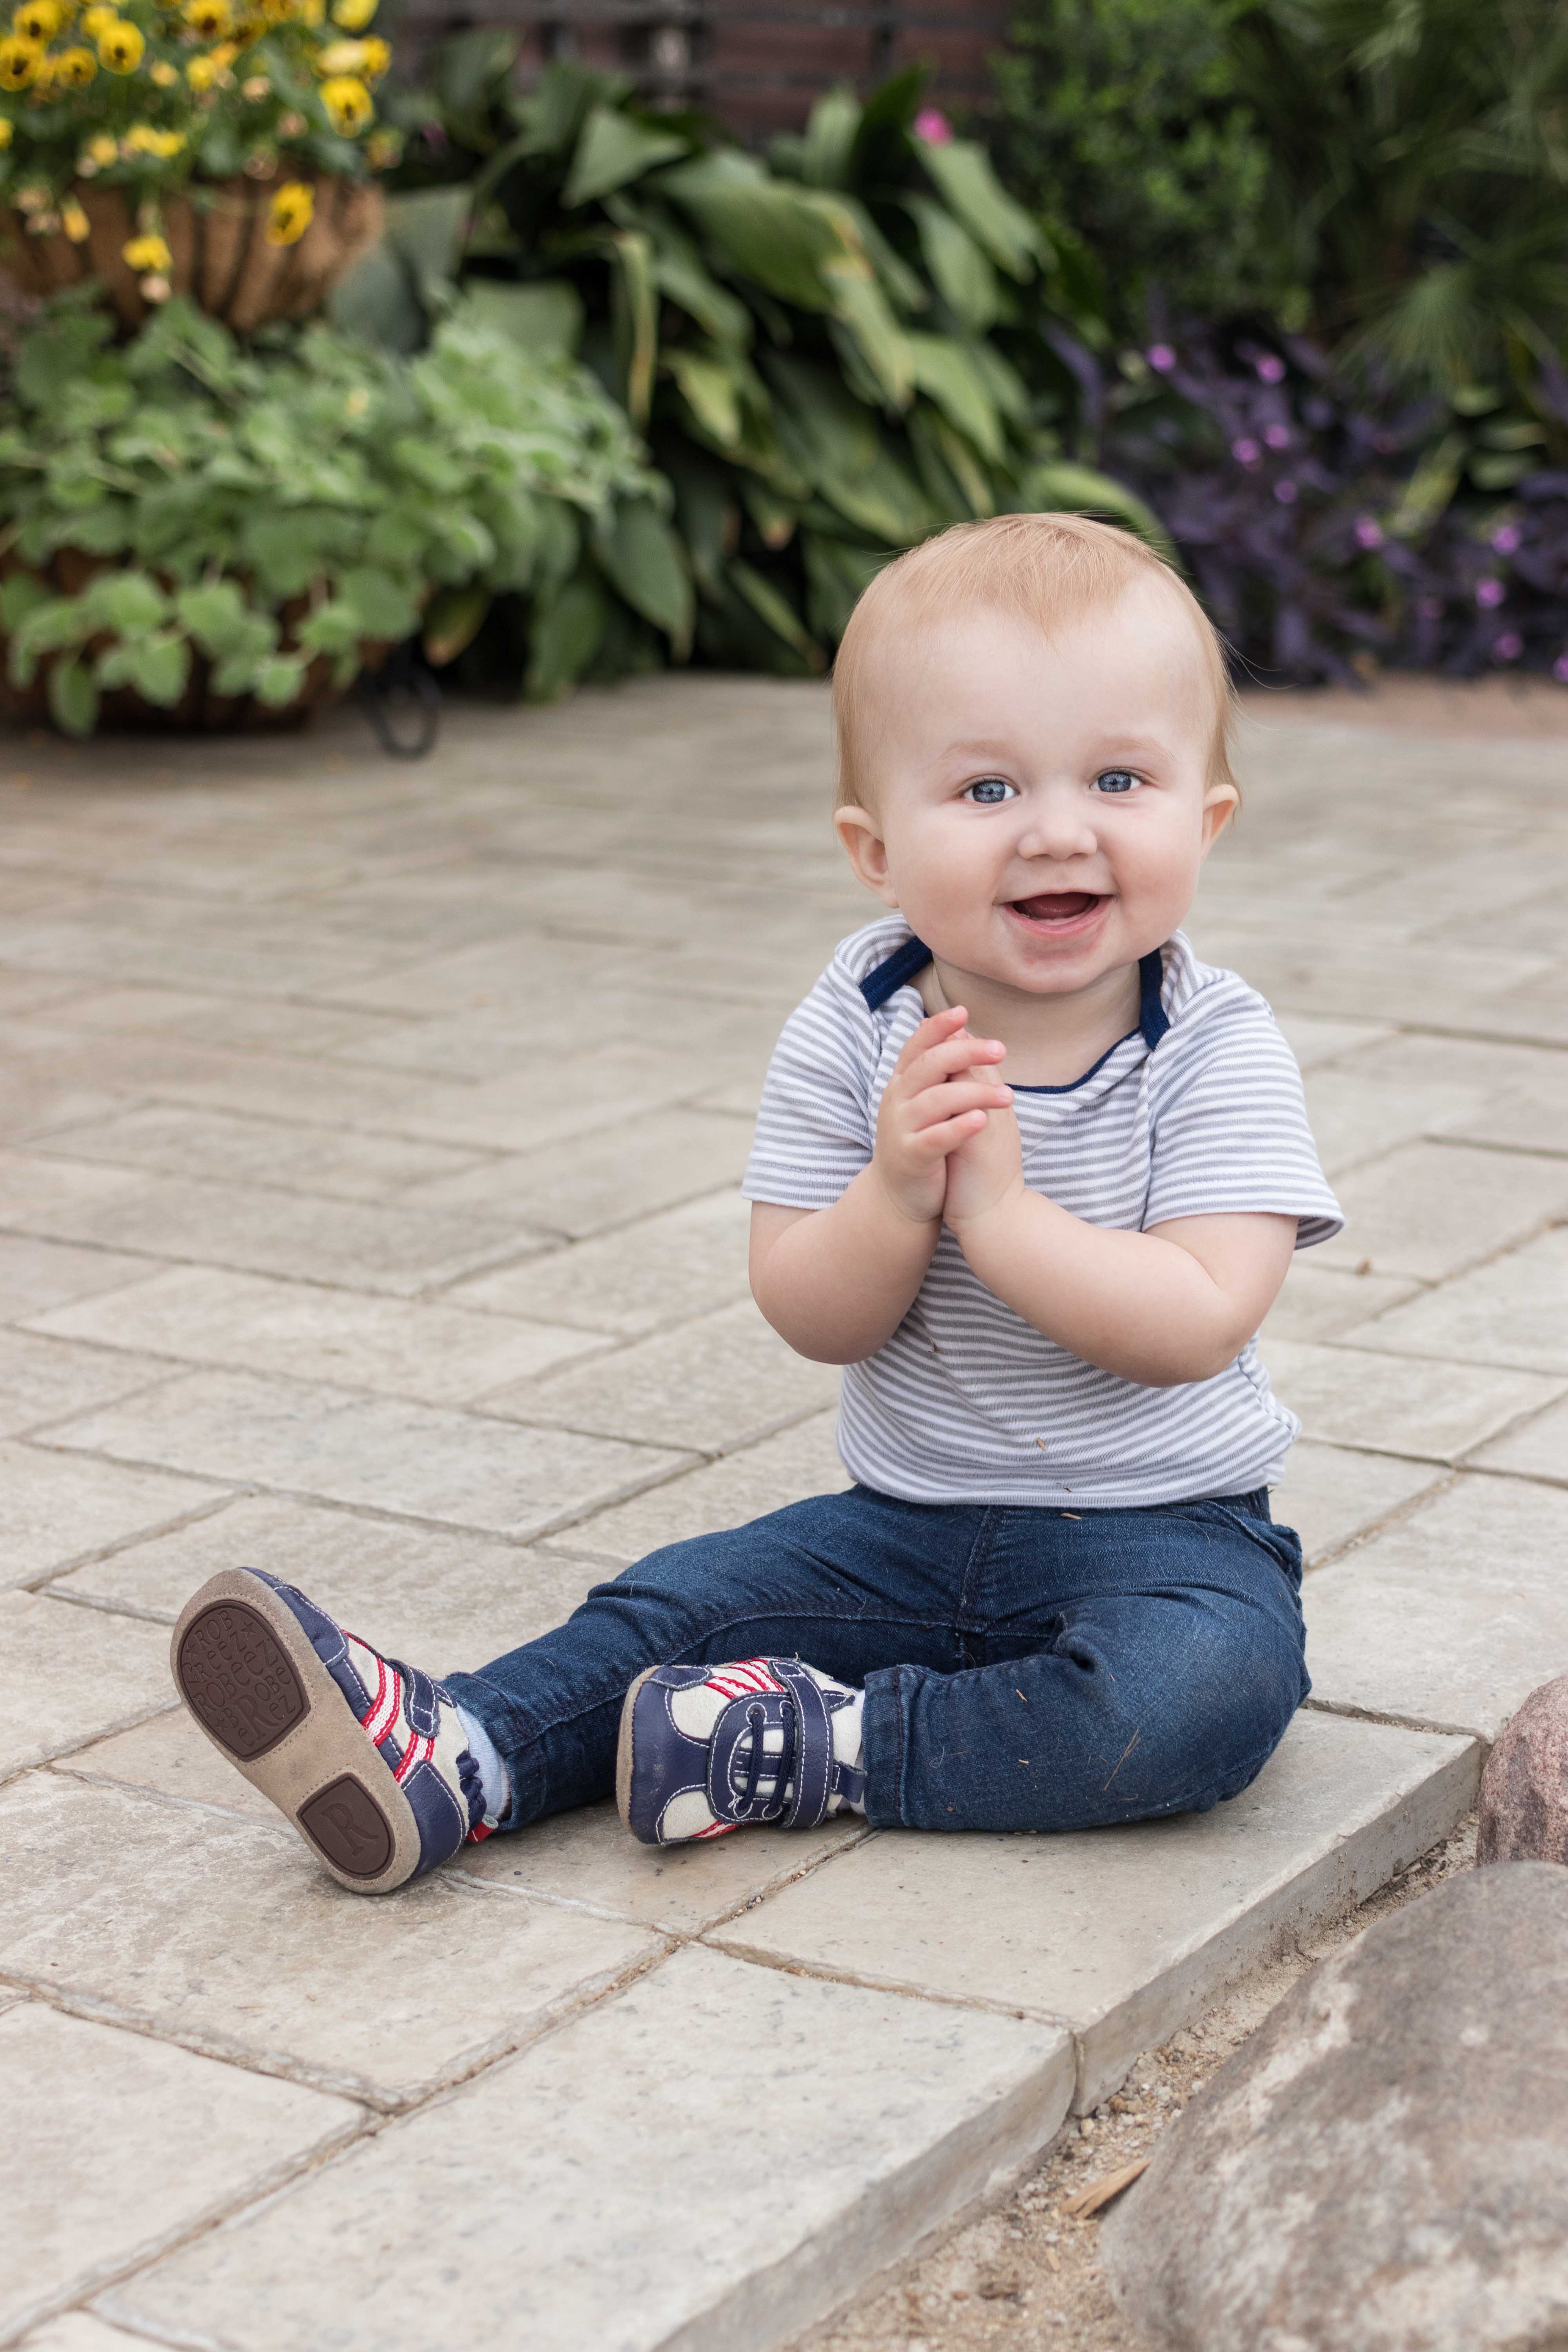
x: 1228, y: 1119
x: 816, y: 1128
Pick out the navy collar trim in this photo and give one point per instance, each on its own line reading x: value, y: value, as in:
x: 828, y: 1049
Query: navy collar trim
x: 898, y: 970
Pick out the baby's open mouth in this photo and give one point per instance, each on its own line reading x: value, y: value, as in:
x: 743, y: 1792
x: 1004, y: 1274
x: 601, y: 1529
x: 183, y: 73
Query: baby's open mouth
x: 1057, y: 905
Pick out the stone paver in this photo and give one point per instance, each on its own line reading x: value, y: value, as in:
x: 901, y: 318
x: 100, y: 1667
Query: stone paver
x: 668, y: 2245
x: 1110, y: 1930
x: 421, y: 1461
x: 1453, y: 1616
x: 117, y: 1900
x: 68, y: 1675
x: 116, y: 2143
x: 369, y: 1212
x: 423, y: 1348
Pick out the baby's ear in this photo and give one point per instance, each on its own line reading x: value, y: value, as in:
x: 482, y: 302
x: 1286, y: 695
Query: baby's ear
x: 866, y: 850
x: 1221, y: 802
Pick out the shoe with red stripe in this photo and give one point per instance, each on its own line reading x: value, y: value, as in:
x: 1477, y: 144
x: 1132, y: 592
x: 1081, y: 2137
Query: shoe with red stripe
x: 367, y: 1757
x: 706, y: 1749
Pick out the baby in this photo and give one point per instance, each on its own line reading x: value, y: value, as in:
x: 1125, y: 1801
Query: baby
x: 1033, y: 1175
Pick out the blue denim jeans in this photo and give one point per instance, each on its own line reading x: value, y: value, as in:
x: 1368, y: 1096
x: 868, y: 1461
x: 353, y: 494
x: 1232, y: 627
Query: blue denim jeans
x: 1025, y: 1668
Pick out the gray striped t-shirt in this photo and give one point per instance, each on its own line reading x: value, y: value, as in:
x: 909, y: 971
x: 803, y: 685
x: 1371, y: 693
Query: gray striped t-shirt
x: 1197, y: 1112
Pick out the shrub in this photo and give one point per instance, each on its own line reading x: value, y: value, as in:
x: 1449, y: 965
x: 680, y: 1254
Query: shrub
x: 180, y: 516
x: 817, y: 345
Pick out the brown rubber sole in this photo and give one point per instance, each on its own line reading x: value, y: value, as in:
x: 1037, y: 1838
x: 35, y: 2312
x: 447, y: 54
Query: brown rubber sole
x: 245, y: 1667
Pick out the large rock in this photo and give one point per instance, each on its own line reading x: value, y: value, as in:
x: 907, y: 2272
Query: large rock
x: 1384, y: 2168
x: 1524, y: 1789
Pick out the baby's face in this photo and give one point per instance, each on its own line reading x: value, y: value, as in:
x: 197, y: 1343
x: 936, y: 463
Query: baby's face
x: 1039, y: 809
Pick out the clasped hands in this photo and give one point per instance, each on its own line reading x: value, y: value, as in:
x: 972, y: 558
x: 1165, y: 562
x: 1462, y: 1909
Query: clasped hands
x: 947, y: 1136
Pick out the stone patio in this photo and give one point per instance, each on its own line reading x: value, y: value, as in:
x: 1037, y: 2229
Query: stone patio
x: 368, y: 1213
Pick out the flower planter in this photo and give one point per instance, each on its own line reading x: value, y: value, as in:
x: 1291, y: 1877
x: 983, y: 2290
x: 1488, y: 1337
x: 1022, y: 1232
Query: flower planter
x: 200, y: 710
x: 219, y: 252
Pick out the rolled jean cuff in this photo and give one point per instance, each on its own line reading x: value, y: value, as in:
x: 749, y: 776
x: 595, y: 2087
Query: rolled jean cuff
x: 882, y: 1733
x: 515, y: 1742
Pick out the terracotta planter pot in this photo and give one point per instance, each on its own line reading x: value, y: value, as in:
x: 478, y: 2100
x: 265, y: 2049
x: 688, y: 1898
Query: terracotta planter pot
x: 217, y: 238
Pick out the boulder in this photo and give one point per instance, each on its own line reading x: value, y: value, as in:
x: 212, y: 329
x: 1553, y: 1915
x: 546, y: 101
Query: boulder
x: 1383, y: 2167
x: 1524, y: 1789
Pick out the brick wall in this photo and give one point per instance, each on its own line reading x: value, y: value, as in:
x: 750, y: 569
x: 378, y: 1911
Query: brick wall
x: 758, y: 64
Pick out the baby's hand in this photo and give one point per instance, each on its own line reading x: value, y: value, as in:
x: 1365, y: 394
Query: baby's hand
x: 937, y: 1099
x: 985, y: 1169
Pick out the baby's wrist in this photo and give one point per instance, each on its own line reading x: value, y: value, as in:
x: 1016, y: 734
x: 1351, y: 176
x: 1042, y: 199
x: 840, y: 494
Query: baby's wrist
x: 981, y: 1233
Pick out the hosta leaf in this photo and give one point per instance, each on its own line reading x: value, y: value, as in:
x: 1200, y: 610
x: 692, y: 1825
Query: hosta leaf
x: 713, y: 392
x: 776, y: 610
x: 765, y: 229
x: 837, y: 573
x: 565, y: 638
x: 1006, y: 386
x: 680, y: 273
x: 636, y: 312
x: 452, y: 621
x: 829, y: 140
x: 947, y: 374
x: 73, y: 697
x: 960, y: 271
x: 546, y: 316
x: 642, y: 558
x: 613, y: 149
x: 862, y: 305
x: 962, y: 171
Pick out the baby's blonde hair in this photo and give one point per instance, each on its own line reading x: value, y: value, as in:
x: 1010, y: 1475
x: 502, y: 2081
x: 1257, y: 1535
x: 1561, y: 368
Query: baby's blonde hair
x: 1046, y: 569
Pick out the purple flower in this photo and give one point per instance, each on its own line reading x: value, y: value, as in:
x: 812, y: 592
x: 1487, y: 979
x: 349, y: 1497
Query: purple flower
x: 933, y: 125
x: 1509, y: 647
x: 1161, y: 358
x: 1246, y: 451
x: 1285, y: 493
x: 1505, y: 539
x: 1276, y: 435
x: 1369, y: 533
x: 1560, y: 668
x: 1431, y: 608
x: 1270, y: 368
x: 1490, y: 594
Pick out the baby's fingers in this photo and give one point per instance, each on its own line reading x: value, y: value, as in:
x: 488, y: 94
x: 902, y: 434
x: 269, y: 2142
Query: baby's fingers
x: 934, y: 1142
x: 933, y: 1030
x: 938, y: 1103
x: 948, y: 1057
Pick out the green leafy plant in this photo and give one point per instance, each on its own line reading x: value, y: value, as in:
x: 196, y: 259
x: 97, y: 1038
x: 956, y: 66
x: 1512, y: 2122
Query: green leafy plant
x: 1127, y: 126
x: 1420, y: 165
x: 182, y: 520
x: 815, y: 344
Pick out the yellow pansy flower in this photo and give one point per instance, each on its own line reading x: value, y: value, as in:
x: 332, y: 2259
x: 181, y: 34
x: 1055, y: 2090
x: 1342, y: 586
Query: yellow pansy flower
x: 348, y: 103
x: 210, y: 18
x: 376, y: 58
x: 8, y: 131
x: 74, y: 68
x: 163, y: 73
x: 353, y: 16
x: 290, y: 213
x: 98, y: 18
x: 147, y: 253
x: 100, y: 150
x: 338, y: 58
x: 38, y: 20
x: 142, y: 140
x: 74, y: 222
x: 201, y: 73
x: 121, y: 46
x: 20, y: 62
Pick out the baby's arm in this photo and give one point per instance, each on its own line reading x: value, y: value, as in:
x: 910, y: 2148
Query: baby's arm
x: 1175, y: 1303
x: 836, y: 1283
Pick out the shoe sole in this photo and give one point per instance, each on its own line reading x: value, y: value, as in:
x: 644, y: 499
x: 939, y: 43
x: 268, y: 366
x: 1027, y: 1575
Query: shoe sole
x: 246, y: 1669
x: 624, y: 1755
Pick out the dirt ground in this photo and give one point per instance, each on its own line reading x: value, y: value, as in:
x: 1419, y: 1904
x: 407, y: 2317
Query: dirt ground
x: 1028, y: 2275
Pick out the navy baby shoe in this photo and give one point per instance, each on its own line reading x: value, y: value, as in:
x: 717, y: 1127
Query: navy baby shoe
x: 706, y: 1749
x: 365, y: 1757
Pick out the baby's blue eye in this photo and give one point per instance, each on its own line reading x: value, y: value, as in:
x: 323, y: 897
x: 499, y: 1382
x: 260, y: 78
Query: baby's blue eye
x: 1116, y: 779
x: 988, y: 792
